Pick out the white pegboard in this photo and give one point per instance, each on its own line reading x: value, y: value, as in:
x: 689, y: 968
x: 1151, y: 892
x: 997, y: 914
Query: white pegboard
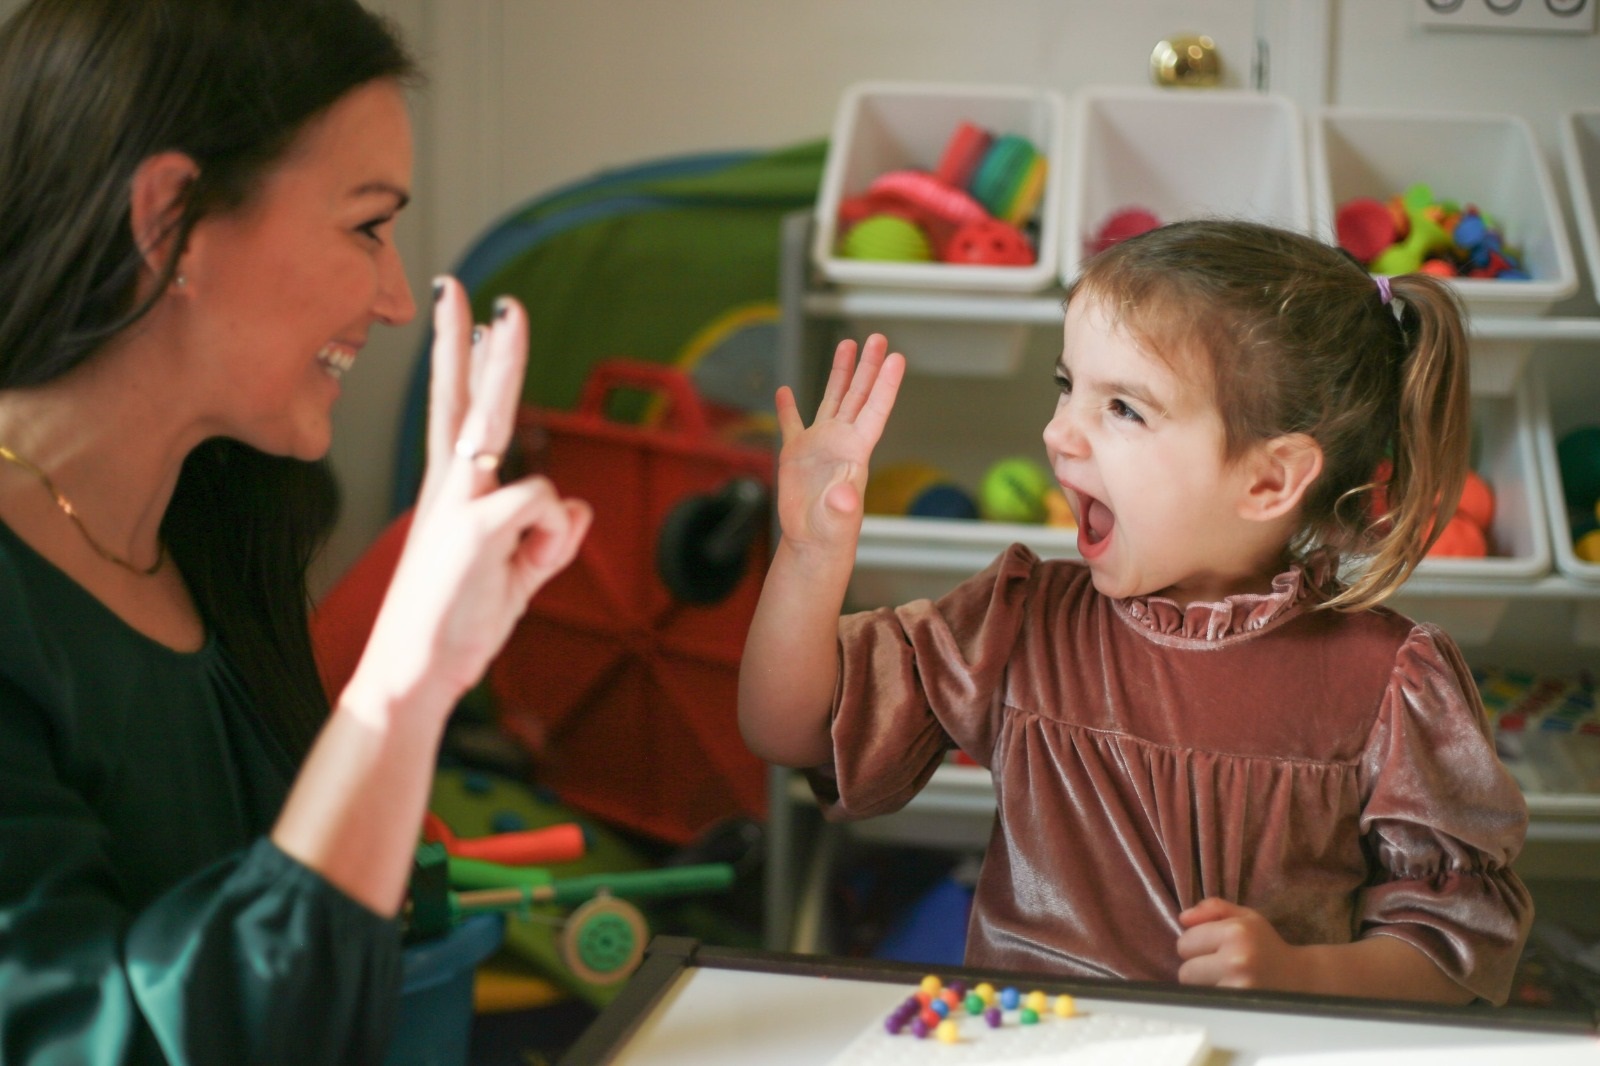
x: 1531, y: 16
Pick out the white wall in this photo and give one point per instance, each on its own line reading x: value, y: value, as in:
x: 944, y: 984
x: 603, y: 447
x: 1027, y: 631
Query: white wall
x: 529, y: 94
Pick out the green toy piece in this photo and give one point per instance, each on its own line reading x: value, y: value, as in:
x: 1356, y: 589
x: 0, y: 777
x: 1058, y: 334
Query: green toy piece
x: 1424, y: 238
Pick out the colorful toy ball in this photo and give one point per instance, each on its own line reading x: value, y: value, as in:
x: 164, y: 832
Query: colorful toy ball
x: 887, y: 237
x: 989, y: 242
x: 1128, y: 222
x: 918, y: 490
x: 1365, y: 227
x: 1013, y: 490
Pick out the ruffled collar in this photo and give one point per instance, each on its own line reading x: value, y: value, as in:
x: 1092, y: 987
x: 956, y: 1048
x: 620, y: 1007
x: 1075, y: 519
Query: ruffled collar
x: 1233, y: 617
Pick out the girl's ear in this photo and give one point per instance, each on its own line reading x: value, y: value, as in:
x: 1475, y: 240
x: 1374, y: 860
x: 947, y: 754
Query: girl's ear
x: 156, y: 203
x: 1279, y: 472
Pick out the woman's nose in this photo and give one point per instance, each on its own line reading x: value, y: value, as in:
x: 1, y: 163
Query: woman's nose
x: 394, y: 305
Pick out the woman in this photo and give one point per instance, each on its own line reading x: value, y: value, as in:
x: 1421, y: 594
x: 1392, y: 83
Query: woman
x: 199, y: 860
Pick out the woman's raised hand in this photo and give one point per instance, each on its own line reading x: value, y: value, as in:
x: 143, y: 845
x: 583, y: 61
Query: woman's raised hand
x: 477, y: 550
x: 822, y: 469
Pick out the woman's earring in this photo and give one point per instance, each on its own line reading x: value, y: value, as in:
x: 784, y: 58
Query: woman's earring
x: 180, y: 281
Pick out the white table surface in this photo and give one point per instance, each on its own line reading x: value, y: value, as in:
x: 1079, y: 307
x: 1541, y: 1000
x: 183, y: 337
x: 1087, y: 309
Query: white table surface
x: 711, y: 1017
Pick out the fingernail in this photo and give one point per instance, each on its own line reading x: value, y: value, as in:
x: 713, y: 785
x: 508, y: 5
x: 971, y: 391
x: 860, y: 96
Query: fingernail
x: 502, y: 307
x: 438, y: 289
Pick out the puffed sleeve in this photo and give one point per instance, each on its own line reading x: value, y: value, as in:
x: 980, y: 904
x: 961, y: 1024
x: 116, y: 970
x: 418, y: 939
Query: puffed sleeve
x: 255, y: 959
x: 917, y: 680
x: 1443, y: 820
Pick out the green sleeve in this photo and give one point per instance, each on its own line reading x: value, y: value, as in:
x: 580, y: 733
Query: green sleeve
x: 254, y: 959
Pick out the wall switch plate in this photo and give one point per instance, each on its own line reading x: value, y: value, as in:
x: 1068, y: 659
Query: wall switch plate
x: 1525, y: 16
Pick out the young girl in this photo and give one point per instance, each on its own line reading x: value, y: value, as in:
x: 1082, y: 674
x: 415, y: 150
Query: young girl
x: 1216, y: 758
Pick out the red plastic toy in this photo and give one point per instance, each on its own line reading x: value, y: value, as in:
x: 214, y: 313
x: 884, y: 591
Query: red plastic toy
x: 989, y: 242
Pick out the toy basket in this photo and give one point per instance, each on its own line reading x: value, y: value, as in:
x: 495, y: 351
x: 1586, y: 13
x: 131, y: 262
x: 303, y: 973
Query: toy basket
x: 621, y: 679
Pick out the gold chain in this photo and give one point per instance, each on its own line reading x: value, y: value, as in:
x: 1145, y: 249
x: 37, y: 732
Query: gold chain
x: 71, y: 512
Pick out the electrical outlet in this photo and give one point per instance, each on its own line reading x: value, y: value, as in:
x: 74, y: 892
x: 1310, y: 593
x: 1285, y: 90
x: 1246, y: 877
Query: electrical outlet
x: 1530, y: 16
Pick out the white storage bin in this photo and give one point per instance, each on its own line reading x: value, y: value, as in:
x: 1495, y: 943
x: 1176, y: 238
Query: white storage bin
x: 887, y: 126
x: 1491, y: 161
x: 1566, y: 389
x: 1580, y: 157
x: 1505, y: 445
x: 1182, y: 154
x: 1506, y: 449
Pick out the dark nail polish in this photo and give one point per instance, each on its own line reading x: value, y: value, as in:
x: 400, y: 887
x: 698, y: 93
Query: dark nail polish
x: 502, y: 307
x: 438, y: 290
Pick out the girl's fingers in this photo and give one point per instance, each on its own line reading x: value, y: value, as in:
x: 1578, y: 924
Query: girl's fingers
x: 788, y: 412
x: 874, y: 414
x: 839, y: 375
x: 866, y: 373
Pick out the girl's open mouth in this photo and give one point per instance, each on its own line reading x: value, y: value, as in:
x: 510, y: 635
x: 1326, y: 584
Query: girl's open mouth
x: 1095, y: 522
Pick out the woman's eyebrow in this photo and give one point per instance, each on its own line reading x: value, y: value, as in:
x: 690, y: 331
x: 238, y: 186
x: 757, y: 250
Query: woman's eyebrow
x: 402, y: 197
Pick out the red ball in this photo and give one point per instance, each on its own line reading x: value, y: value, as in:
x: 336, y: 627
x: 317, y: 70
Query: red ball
x: 1365, y: 227
x: 1129, y: 222
x: 988, y: 242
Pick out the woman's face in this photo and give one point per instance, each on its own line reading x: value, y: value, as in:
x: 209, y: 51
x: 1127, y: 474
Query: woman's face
x: 284, y: 292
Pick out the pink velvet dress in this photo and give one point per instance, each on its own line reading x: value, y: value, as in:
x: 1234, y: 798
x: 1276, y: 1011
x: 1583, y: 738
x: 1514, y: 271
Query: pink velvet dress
x: 1333, y: 771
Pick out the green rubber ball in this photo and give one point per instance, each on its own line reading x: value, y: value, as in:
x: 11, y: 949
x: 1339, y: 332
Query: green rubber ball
x: 887, y: 237
x: 1578, y: 456
x: 1013, y: 490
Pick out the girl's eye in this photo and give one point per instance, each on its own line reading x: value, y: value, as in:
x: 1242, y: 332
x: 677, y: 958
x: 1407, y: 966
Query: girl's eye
x: 1063, y: 383
x: 1121, y: 410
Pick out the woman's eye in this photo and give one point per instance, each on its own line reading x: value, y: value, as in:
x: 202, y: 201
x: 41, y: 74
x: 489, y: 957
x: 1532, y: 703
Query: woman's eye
x: 1063, y: 383
x: 371, y: 229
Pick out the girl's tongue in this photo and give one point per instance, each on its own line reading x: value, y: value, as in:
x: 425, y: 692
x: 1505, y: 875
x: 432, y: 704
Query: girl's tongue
x: 1097, y: 521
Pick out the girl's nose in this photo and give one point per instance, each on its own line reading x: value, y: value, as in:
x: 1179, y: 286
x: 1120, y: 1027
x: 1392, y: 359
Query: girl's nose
x: 1061, y: 433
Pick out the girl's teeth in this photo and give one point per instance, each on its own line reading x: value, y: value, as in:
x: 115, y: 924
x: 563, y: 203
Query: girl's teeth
x: 336, y: 360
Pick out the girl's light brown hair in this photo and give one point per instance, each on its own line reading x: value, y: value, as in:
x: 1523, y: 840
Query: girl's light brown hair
x: 1299, y: 339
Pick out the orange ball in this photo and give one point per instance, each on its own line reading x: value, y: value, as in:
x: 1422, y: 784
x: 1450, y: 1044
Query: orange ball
x: 1461, y: 538
x: 1477, y: 501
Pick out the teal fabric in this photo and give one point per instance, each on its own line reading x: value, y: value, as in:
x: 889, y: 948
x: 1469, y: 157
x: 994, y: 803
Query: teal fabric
x: 144, y: 915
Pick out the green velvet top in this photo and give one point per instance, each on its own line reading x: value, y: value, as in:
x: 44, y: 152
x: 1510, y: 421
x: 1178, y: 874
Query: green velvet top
x: 145, y: 917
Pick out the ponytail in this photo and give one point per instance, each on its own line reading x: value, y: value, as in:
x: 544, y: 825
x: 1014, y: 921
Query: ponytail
x: 1432, y: 440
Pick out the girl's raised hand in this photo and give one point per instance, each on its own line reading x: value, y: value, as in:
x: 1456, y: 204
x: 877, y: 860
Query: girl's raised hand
x: 477, y: 550
x: 822, y: 469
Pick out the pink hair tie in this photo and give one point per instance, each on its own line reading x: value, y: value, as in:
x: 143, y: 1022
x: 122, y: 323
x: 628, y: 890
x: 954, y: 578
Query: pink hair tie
x: 1383, y: 289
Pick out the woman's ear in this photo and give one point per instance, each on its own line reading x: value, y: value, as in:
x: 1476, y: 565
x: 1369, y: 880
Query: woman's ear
x: 1279, y: 472
x: 156, y: 203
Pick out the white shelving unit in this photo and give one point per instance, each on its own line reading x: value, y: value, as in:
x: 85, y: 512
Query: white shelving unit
x: 1545, y: 622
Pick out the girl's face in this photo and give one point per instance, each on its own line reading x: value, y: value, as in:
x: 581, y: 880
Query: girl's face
x: 285, y: 290
x: 1138, y: 449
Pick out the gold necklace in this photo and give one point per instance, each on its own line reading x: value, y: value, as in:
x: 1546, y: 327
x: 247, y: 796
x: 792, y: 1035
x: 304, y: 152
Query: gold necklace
x: 71, y: 512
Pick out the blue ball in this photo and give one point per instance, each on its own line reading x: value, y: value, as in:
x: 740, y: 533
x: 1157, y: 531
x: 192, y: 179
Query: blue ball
x: 943, y: 501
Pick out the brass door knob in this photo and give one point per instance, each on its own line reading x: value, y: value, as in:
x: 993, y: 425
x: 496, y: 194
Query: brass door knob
x: 1189, y: 61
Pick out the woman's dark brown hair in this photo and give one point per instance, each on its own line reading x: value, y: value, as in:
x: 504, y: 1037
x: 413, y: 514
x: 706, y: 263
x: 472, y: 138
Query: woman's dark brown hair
x: 88, y: 90
x: 1298, y: 338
